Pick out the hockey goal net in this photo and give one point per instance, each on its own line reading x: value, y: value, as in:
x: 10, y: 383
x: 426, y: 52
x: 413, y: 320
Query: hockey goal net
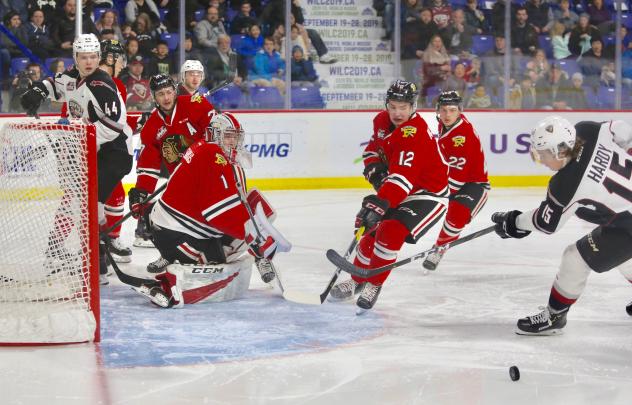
x: 48, y: 233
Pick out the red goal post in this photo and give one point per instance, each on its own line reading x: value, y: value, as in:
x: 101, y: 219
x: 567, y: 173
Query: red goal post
x: 49, y: 235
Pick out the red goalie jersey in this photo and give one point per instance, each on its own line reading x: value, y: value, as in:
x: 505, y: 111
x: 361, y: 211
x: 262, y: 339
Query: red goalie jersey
x: 215, y: 208
x: 462, y: 148
x: 411, y: 153
x: 167, y: 137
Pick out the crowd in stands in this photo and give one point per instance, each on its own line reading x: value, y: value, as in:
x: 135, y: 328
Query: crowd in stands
x: 250, y: 32
x: 562, y: 51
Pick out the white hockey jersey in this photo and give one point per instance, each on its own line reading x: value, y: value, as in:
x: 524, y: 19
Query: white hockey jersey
x: 94, y: 100
x: 595, y: 186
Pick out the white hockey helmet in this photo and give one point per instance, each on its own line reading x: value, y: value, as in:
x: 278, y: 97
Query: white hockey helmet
x: 553, y: 135
x: 191, y: 65
x: 226, y: 131
x: 86, y: 43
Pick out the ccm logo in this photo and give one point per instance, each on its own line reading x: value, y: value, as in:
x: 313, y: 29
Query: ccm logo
x: 207, y: 270
x: 375, y: 208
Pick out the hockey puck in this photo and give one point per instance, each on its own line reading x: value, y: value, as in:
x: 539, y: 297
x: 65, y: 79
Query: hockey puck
x: 514, y: 373
x: 628, y: 308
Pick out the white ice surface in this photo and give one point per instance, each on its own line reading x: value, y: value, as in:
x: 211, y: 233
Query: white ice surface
x: 444, y: 338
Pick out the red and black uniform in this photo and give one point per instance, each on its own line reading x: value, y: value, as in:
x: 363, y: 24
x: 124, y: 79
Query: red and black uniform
x: 416, y: 188
x: 114, y: 205
x: 200, y: 206
x: 166, y: 137
x: 469, y: 185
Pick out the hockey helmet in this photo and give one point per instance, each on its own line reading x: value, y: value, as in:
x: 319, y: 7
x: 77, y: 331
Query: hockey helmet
x: 401, y: 90
x: 191, y: 65
x: 160, y: 81
x: 553, y: 135
x: 86, y: 43
x: 112, y: 47
x: 226, y: 131
x: 450, y: 98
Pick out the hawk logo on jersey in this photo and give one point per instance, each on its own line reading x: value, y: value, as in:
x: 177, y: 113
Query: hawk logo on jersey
x: 75, y: 109
x: 220, y: 160
x: 196, y: 98
x: 458, y: 140
x: 173, y: 147
x: 70, y: 86
x: 408, y: 131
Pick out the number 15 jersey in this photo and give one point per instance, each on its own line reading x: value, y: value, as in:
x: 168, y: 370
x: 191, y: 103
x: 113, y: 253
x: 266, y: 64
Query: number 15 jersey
x: 595, y: 186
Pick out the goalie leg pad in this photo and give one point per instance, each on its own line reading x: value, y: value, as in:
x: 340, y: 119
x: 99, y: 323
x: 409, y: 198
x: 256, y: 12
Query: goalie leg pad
x: 211, y: 282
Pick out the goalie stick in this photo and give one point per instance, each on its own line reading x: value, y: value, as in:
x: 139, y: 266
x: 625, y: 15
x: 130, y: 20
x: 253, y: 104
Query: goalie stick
x: 124, y: 277
x: 343, y: 264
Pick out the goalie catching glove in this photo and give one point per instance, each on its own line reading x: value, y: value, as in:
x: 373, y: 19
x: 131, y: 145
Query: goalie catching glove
x: 373, y: 210
x: 34, y: 97
x: 506, y: 225
x: 137, y: 202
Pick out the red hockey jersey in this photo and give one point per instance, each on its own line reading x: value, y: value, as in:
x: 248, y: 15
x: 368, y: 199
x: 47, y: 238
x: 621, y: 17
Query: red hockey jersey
x: 412, y: 155
x: 166, y: 137
x: 201, y: 198
x: 462, y: 149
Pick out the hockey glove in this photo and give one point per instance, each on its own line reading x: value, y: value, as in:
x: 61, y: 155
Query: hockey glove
x: 33, y: 98
x: 506, y: 225
x: 260, y: 246
x: 137, y: 203
x: 372, y: 211
x: 375, y: 173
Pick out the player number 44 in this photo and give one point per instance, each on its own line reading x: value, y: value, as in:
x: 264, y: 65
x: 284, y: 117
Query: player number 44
x: 111, y: 111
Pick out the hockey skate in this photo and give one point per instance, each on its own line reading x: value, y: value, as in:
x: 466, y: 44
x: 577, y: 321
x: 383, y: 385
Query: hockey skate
x: 544, y: 323
x: 158, y: 266
x: 345, y: 290
x: 265, y: 270
x: 142, y: 234
x: 120, y: 253
x: 433, y: 259
x: 368, y: 297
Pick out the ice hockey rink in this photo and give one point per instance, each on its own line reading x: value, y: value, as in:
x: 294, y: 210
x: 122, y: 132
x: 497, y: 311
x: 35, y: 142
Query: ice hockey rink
x: 442, y: 338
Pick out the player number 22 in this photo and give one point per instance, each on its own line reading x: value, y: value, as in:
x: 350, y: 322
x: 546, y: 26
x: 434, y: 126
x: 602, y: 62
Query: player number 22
x: 406, y: 158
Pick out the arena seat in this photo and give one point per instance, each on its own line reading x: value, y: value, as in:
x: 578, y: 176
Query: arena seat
x: 172, y: 40
x: 18, y: 65
x: 482, y: 44
x: 266, y: 97
x: 307, y: 97
x: 229, y: 97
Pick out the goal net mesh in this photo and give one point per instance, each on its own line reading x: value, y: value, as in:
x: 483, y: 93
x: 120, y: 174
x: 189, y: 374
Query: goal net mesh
x: 45, y: 291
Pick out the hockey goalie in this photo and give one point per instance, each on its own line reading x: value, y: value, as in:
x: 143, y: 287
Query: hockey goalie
x: 203, y: 224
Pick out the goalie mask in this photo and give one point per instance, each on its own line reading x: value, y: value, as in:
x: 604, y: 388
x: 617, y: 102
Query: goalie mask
x: 226, y: 131
x: 553, y: 137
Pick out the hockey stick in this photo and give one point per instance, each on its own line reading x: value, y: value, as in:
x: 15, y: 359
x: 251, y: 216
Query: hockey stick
x: 131, y: 213
x: 343, y: 264
x: 126, y: 278
x: 350, y: 250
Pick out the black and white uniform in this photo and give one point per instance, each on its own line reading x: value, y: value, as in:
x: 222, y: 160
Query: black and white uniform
x: 597, y: 187
x: 96, y: 100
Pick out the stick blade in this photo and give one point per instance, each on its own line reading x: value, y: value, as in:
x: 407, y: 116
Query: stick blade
x: 300, y: 297
x: 342, y: 263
